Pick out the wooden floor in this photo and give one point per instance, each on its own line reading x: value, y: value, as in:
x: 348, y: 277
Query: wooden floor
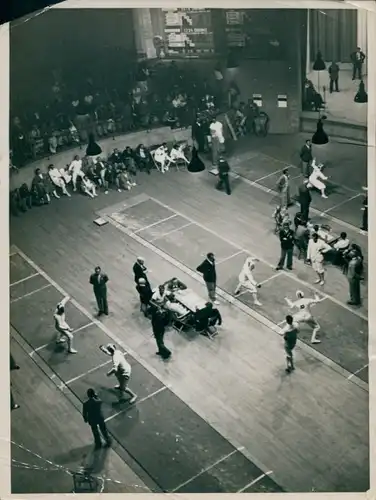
x: 34, y: 460
x: 292, y: 426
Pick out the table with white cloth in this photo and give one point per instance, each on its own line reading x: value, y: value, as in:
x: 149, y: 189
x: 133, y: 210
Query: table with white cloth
x: 190, y: 299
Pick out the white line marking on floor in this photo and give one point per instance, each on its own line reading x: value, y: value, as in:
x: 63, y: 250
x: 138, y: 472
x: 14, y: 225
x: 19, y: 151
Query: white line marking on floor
x: 229, y: 257
x: 24, y: 279
x: 37, y: 349
x: 357, y: 371
x: 12, y: 254
x: 98, y: 367
x: 342, y: 203
x: 172, y: 231
x: 269, y: 175
x: 270, y: 278
x: 204, y: 470
x: 154, y: 224
x: 30, y: 293
x: 232, y: 300
x: 137, y: 402
x: 255, y: 481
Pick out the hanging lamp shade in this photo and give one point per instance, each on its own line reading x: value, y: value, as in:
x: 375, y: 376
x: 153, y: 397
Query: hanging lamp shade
x: 320, y: 137
x: 361, y: 96
x: 319, y: 64
x: 196, y: 164
x: 93, y: 149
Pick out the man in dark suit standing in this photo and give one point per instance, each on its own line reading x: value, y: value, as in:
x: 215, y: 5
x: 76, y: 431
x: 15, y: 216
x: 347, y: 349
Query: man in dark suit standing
x: 158, y: 323
x: 357, y: 59
x: 306, y: 158
x: 99, y: 281
x: 223, y: 174
x: 92, y: 414
x: 140, y: 270
x: 333, y: 76
x: 208, y: 271
x: 287, y: 239
x: 305, y: 199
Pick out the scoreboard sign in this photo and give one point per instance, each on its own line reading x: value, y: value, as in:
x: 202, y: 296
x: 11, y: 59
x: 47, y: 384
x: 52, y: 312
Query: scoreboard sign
x: 188, y: 32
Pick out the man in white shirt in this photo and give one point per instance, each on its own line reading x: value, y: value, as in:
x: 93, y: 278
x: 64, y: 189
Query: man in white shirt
x: 121, y: 369
x: 75, y: 168
x: 342, y: 243
x: 159, y: 295
x: 64, y: 331
x: 316, y: 249
x: 162, y: 158
x: 58, y: 180
x: 217, y: 139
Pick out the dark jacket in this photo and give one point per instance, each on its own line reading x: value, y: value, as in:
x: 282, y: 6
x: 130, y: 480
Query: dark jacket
x: 306, y: 154
x: 158, y: 323
x: 139, y: 272
x: 202, y: 317
x: 223, y: 168
x: 354, y: 59
x: 333, y: 71
x: 305, y: 197
x: 286, y: 237
x: 99, y: 285
x: 207, y: 269
x: 92, y: 411
x: 145, y: 293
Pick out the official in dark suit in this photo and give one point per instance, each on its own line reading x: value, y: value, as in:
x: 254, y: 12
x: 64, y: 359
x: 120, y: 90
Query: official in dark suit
x: 357, y: 59
x: 145, y: 292
x: 92, y: 414
x: 306, y: 158
x: 13, y: 366
x: 305, y: 199
x: 333, y: 77
x: 140, y: 270
x: 198, y: 135
x: 158, y: 322
x: 208, y: 271
x: 223, y: 174
x: 99, y: 281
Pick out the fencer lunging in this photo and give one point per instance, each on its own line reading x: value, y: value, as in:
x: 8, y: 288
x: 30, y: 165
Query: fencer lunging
x: 304, y: 314
x: 316, y: 178
x: 247, y: 281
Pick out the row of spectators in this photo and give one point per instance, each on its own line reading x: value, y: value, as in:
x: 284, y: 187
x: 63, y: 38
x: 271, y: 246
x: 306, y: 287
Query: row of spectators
x: 68, y: 119
x: 119, y: 171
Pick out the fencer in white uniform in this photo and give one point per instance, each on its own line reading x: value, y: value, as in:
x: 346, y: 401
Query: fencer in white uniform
x: 247, y: 281
x: 316, y: 178
x: 304, y: 313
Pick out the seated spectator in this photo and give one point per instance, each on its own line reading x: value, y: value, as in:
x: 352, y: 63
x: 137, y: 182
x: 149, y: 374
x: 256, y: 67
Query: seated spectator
x: 57, y: 180
x: 313, y: 100
x: 93, y: 173
x: 339, y: 248
x: 88, y: 187
x: 64, y: 172
x: 177, y: 153
x: 143, y: 158
x: 53, y: 143
x: 251, y: 111
x: 123, y: 181
x: 159, y: 295
x: 75, y: 168
x: 162, y: 158
x: 116, y: 158
x: 302, y: 239
x: 130, y: 164
x: 145, y: 292
x: 207, y: 317
x: 14, y: 202
x: 240, y: 120
x: 40, y: 188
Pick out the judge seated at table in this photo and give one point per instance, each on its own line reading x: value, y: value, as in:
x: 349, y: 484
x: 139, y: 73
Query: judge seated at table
x: 174, y: 306
x: 207, y: 317
x: 174, y: 284
x: 339, y: 248
x: 159, y: 295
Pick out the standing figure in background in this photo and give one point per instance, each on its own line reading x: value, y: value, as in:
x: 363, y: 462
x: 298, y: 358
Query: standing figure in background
x: 99, y: 281
x: 208, y: 271
x: 306, y: 158
x: 333, y: 76
x: 283, y: 188
x: 365, y: 211
x: 217, y: 140
x: 92, y: 415
x: 305, y: 199
x: 357, y: 58
x: 223, y: 174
